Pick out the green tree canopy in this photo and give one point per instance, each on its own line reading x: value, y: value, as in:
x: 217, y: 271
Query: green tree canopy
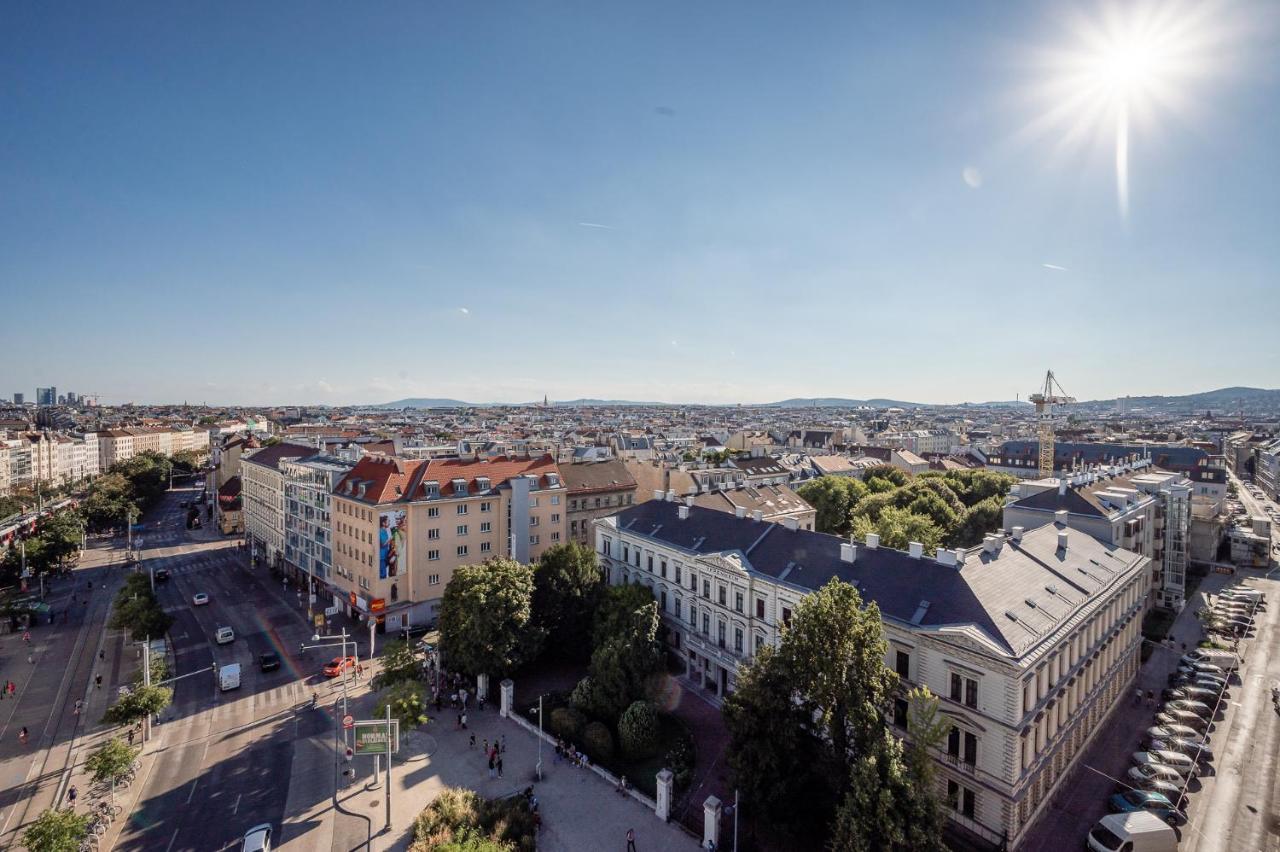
x: 408, y: 702
x: 485, y: 618
x: 138, y: 704
x: 625, y: 611
x: 899, y: 527
x: 830, y: 499
x: 111, y: 760
x: 567, y: 586
x: 400, y: 664
x: 56, y: 830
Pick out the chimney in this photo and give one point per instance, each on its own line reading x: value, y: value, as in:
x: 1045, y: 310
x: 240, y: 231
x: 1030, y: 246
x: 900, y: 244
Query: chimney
x: 791, y: 523
x: 1017, y: 534
x: 1062, y: 487
x: 1062, y: 540
x: 989, y: 544
x: 873, y: 541
x: 915, y: 548
x: 671, y: 496
x: 945, y: 557
x: 688, y: 501
x: 740, y: 511
x: 848, y: 552
x: 659, y: 494
x: 757, y: 515
x: 1060, y: 517
x: 683, y: 512
x: 959, y: 551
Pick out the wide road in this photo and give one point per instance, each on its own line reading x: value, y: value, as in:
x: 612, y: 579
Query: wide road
x: 222, y: 760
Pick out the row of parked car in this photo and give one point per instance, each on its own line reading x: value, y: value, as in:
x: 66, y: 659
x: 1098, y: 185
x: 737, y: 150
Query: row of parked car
x: 1176, y: 748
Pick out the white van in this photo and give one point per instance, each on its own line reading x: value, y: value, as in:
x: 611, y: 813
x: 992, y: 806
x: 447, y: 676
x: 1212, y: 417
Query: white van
x: 229, y: 676
x: 224, y: 635
x: 1135, y: 832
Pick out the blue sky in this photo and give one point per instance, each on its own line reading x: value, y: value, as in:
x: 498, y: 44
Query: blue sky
x: 340, y: 203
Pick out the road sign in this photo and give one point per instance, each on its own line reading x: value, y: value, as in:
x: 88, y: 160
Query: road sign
x: 348, y: 721
x: 331, y: 610
x: 371, y: 737
x: 319, y: 620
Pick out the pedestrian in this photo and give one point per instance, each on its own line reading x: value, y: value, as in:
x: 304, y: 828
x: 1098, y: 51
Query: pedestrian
x: 22, y: 735
x: 71, y: 795
x: 457, y: 725
x: 464, y: 720
x: 504, y: 743
x: 631, y: 840
x: 131, y: 731
x: 1137, y: 698
x: 26, y: 636
x: 102, y: 655
x: 97, y: 681
x: 31, y: 658
x: 492, y: 767
x: 472, y: 742
x: 499, y: 766
x: 79, y: 704
x: 13, y: 687
x: 486, y: 745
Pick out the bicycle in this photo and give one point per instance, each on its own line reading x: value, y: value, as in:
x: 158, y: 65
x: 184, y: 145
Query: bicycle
x: 108, y: 809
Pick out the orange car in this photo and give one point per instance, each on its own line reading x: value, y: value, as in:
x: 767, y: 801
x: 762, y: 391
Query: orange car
x: 338, y: 665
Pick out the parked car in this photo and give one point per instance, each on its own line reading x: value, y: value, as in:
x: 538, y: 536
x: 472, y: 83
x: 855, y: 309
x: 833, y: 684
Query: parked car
x: 1145, y: 773
x: 1166, y: 732
x: 1146, y: 800
x: 1194, y: 749
x: 1203, y: 668
x: 338, y: 665
x: 269, y: 661
x: 257, y: 839
x: 1193, y: 693
x: 1170, y: 716
x: 199, y: 599
x: 224, y: 635
x: 162, y: 575
x: 1187, y: 706
x: 1186, y: 766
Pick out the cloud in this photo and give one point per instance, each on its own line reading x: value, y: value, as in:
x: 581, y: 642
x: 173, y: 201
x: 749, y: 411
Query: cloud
x: 324, y: 386
x: 1055, y: 267
x: 674, y: 343
x: 464, y: 310
x: 972, y: 177
x: 597, y: 225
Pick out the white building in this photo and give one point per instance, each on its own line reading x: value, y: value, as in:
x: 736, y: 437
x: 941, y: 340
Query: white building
x: 262, y: 495
x: 308, y: 528
x: 1029, y: 640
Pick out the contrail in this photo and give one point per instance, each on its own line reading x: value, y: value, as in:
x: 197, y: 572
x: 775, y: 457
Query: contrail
x: 596, y: 225
x: 1054, y: 266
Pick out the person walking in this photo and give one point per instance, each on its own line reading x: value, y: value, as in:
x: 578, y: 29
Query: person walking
x: 22, y: 735
x: 631, y: 840
x: 102, y: 655
x: 71, y: 795
x: 492, y: 767
x: 499, y: 766
x: 464, y: 722
x: 97, y: 681
x: 504, y: 744
x: 472, y: 742
x: 486, y: 745
x: 79, y: 704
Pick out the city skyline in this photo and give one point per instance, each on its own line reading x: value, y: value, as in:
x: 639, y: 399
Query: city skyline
x: 680, y: 205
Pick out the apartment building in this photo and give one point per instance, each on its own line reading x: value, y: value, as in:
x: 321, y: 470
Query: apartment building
x: 308, y: 531
x: 595, y: 489
x: 1134, y: 506
x: 115, y: 445
x: 1022, y: 458
x: 262, y: 495
x: 1030, y: 639
x: 402, y: 527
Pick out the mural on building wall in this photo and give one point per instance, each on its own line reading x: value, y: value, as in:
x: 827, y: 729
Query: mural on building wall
x: 391, y: 543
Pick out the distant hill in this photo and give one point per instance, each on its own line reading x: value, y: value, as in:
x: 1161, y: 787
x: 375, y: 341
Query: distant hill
x: 839, y: 402
x: 569, y: 403
x: 418, y: 402
x: 1222, y: 399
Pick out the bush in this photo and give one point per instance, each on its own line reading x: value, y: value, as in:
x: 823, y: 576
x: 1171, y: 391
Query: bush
x: 461, y: 821
x: 638, y: 729
x: 567, y: 722
x: 680, y: 759
x: 597, y: 741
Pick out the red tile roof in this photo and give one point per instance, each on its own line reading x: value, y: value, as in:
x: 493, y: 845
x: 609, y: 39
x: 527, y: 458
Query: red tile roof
x: 387, y: 479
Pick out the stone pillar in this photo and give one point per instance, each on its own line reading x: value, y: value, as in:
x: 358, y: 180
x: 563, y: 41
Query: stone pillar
x: 711, y: 821
x: 666, y: 781
x: 482, y: 686
x: 508, y: 695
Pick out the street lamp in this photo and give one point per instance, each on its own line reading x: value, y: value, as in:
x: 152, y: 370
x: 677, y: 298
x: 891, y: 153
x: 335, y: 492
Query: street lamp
x: 537, y: 770
x: 343, y: 640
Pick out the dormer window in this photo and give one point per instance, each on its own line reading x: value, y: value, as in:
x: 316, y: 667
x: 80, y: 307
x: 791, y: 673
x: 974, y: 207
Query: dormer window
x: 459, y: 487
x: 482, y: 483
x: 431, y: 489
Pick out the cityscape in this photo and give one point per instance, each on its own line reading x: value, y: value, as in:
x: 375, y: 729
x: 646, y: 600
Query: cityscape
x: 462, y: 429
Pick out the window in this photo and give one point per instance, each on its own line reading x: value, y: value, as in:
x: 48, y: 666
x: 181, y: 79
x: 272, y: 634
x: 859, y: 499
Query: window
x: 900, y: 713
x: 678, y: 572
x: 533, y: 502
x: 964, y: 800
x: 597, y: 502
x: 462, y: 508
x: 720, y: 633
x: 486, y: 546
x: 759, y: 607
x: 555, y: 536
x: 759, y: 642
x: 573, y: 505
x: 737, y: 639
x: 608, y: 547
x: 486, y: 526
x: 662, y: 600
x: 786, y: 615
x: 433, y: 511
x: 555, y: 517
x: 650, y: 563
x: 903, y: 666
x: 693, y: 581
x: 663, y: 566
x: 693, y: 615
x: 706, y: 588
x: 970, y: 692
x: 533, y: 539
x: 626, y: 551
x: 486, y: 506
x: 956, y: 687
x: 462, y: 550
x: 637, y: 557
x: 433, y: 534
x: 706, y: 623
x: 433, y: 579
x: 722, y: 595
x: 533, y: 521
x: 555, y: 500
x: 677, y: 609
x: 737, y: 601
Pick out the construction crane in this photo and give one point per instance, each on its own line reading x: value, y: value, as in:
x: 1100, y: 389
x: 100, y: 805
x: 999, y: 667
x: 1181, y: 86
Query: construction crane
x: 1046, y: 401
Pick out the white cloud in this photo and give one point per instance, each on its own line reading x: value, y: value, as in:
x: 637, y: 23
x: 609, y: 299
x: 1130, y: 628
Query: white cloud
x: 464, y: 310
x: 1054, y: 267
x: 972, y: 177
x: 596, y: 225
x: 324, y: 386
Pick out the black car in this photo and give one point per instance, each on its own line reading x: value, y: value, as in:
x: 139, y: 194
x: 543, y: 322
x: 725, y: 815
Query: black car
x: 162, y: 575
x: 269, y: 661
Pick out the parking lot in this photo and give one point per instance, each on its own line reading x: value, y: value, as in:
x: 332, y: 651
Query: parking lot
x: 1231, y: 801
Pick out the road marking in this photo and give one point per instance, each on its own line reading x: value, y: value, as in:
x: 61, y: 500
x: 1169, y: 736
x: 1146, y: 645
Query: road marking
x: 171, y: 840
x: 192, y: 794
x: 236, y: 806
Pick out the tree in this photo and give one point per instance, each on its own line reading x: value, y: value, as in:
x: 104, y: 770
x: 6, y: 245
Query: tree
x: 408, y: 702
x: 639, y: 729
x: 884, y: 477
x: 485, y: 618
x: 627, y: 610
x: 56, y: 830
x: 138, y: 704
x: 110, y: 760
x: 62, y: 534
x: 976, y: 521
x: 830, y: 500
x: 567, y: 585
x: 399, y: 664
x: 187, y: 461
x: 898, y: 527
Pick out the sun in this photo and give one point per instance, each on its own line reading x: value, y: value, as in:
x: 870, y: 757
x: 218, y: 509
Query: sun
x: 1126, y: 68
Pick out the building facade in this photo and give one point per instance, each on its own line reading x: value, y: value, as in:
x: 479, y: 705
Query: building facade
x: 262, y: 495
x: 402, y: 527
x: 1030, y: 640
x: 308, y: 530
x: 595, y: 489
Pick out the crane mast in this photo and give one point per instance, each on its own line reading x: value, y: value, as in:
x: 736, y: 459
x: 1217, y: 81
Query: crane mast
x: 1046, y: 402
